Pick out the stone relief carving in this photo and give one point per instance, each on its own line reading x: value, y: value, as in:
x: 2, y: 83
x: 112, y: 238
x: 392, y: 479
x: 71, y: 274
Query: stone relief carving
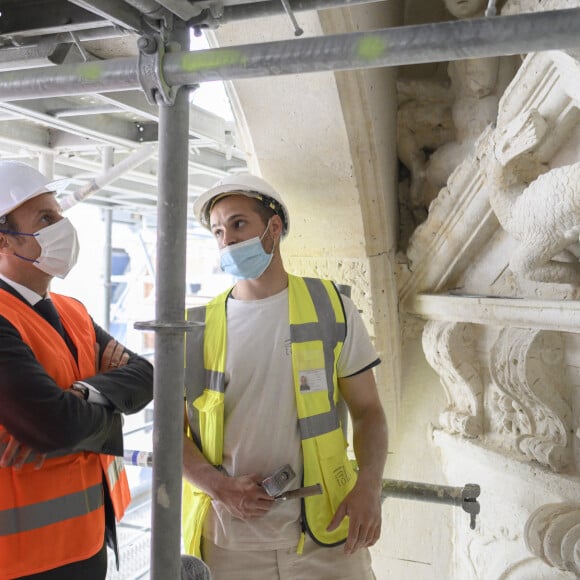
x: 529, y: 412
x: 447, y: 248
x: 424, y: 124
x: 439, y: 124
x: 461, y: 248
x: 552, y: 533
x: 539, y: 207
x: 449, y: 349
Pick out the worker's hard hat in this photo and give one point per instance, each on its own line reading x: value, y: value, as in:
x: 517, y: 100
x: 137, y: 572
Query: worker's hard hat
x: 242, y: 184
x: 19, y: 183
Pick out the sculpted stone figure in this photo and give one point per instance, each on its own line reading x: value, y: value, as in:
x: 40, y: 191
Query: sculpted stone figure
x: 424, y: 124
x: 476, y: 86
x: 539, y: 208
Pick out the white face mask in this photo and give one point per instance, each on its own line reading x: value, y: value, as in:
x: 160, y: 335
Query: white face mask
x: 246, y: 260
x: 59, y: 248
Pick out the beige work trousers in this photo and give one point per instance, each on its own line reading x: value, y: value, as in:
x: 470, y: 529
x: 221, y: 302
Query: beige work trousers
x: 315, y: 563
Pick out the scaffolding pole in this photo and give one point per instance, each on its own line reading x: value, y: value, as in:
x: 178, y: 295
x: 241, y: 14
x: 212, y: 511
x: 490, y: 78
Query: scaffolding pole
x: 108, y: 161
x: 169, y: 338
x: 425, y: 43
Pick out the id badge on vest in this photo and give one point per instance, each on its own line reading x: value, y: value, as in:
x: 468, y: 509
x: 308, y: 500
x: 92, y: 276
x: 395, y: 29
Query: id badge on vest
x: 312, y: 381
x: 311, y: 371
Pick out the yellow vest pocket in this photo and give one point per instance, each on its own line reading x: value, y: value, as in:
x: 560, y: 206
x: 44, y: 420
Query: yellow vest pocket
x: 210, y: 406
x: 195, y: 505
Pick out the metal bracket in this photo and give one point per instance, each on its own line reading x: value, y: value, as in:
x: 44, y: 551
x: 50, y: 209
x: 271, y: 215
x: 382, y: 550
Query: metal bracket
x: 470, y: 493
x: 151, y: 54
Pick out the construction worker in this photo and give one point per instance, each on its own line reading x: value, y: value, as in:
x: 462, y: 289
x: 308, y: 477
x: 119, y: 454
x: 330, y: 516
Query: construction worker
x: 248, y: 411
x: 65, y: 383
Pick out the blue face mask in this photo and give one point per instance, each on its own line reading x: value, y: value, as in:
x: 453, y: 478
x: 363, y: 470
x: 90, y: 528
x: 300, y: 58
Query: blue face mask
x: 246, y: 260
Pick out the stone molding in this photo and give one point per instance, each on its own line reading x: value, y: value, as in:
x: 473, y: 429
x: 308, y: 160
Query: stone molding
x: 557, y: 315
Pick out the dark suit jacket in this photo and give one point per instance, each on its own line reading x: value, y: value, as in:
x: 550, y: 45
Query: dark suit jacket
x: 38, y: 413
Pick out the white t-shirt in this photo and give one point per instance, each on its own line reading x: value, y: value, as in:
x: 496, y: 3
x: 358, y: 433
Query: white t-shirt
x: 261, y: 425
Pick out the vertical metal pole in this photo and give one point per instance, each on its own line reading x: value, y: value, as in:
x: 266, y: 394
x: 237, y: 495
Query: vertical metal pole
x: 46, y: 164
x: 169, y: 344
x: 108, y: 218
x: 107, y: 163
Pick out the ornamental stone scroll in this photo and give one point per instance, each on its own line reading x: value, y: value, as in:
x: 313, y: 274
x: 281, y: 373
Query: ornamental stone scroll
x: 529, y: 411
x: 449, y: 349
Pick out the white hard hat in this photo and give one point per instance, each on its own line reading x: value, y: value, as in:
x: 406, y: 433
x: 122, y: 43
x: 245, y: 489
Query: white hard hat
x: 19, y: 183
x: 242, y: 184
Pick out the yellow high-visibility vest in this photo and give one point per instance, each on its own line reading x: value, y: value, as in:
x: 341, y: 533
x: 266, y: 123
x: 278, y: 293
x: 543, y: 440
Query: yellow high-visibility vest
x: 317, y: 333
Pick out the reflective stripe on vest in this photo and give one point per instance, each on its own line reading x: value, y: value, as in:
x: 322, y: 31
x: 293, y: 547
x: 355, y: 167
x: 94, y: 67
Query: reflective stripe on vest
x: 331, y: 332
x: 204, y: 364
x: 46, y: 513
x: 33, y: 458
x: 115, y: 475
x: 114, y: 471
x: 116, y: 478
x: 317, y: 324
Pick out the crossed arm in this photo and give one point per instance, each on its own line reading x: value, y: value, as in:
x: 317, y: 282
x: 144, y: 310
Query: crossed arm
x: 37, y: 416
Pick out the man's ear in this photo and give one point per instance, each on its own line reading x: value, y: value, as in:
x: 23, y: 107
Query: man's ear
x: 276, y: 226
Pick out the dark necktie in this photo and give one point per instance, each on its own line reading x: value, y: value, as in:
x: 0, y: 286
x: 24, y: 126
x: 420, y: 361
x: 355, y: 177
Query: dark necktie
x: 47, y: 310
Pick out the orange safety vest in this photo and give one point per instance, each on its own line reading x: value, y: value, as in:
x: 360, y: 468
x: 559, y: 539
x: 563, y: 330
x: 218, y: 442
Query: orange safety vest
x: 53, y: 516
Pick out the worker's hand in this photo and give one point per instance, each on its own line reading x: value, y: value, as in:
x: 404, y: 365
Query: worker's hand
x: 15, y: 454
x: 114, y: 356
x: 244, y: 497
x: 363, y: 508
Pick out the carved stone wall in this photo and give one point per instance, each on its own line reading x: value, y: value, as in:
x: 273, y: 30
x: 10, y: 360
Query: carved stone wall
x: 495, y: 273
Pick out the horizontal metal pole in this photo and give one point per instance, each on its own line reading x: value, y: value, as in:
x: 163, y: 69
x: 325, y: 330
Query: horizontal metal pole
x: 443, y: 41
x: 118, y: 74
x: 412, y: 490
x: 439, y: 42
x: 429, y: 492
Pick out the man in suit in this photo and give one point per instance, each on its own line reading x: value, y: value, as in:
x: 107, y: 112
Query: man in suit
x: 64, y: 384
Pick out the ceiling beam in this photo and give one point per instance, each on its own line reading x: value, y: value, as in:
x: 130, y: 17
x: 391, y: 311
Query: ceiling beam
x: 41, y: 17
x: 23, y: 134
x: 115, y: 11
